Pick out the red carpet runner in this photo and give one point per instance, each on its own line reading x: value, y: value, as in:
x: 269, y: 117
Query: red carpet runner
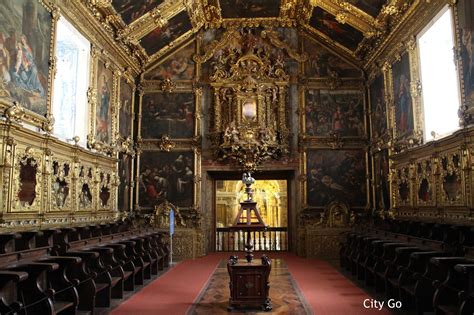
x: 325, y: 289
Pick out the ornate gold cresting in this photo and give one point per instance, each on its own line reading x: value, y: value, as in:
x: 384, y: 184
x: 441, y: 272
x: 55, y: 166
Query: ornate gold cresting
x: 249, y: 118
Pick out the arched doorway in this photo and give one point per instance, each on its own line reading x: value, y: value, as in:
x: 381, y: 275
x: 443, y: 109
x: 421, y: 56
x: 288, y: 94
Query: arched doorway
x: 271, y: 195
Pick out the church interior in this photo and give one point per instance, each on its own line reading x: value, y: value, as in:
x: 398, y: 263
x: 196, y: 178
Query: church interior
x: 236, y: 156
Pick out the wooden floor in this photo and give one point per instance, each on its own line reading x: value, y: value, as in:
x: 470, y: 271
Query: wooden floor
x: 285, y: 296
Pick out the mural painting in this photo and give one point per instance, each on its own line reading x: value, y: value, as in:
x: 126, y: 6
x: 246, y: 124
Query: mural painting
x: 336, y: 175
x: 334, y: 112
x: 125, y: 176
x: 104, y: 101
x: 126, y: 110
x: 465, y: 10
x: 378, y: 108
x: 132, y: 10
x: 25, y: 38
x: 402, y: 97
x: 166, y: 175
x: 326, y: 23
x: 249, y: 8
x: 169, y: 114
x: 322, y: 63
x: 381, y: 171
x: 371, y: 7
x: 179, y: 66
x: 162, y: 36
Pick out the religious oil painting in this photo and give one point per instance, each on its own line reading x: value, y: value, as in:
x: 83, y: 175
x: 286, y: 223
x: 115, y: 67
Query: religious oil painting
x: 322, y: 63
x: 130, y: 10
x: 331, y: 113
x: 179, y: 66
x: 169, y: 114
x: 465, y: 9
x: 25, y: 39
x: 371, y: 7
x: 382, y: 195
x: 404, y: 120
x: 162, y: 36
x: 126, y: 110
x: 327, y: 24
x: 378, y: 107
x: 104, y: 103
x: 166, y: 176
x: 250, y: 8
x: 125, y: 176
x: 336, y: 175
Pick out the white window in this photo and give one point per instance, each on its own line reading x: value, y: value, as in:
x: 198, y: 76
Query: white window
x: 70, y: 107
x: 439, y: 79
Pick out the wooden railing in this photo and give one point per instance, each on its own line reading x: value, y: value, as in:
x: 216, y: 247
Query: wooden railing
x: 273, y: 239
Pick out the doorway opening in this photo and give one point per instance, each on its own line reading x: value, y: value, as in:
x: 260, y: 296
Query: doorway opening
x: 271, y: 196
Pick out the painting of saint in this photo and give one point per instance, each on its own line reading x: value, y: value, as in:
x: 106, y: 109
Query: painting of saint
x: 334, y: 112
x: 372, y: 7
x: 327, y: 24
x: 336, y: 175
x: 378, y: 107
x: 382, y: 195
x: 126, y: 110
x: 125, y: 173
x: 250, y: 8
x: 179, y: 66
x: 130, y: 10
x: 322, y: 63
x: 465, y: 10
x: 166, y: 175
x: 402, y: 97
x: 103, y: 111
x: 162, y: 36
x: 25, y: 37
x: 169, y: 114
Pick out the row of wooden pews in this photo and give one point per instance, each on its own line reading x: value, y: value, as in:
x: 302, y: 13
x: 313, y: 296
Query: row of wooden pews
x: 76, y: 270
x: 427, y: 266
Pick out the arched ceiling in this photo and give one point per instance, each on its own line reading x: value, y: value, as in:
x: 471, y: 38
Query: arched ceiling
x: 151, y: 28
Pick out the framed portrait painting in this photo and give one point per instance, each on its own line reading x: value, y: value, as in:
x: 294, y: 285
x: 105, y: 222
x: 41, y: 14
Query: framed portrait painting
x: 404, y: 117
x: 336, y: 175
x: 105, y: 98
x: 25, y: 54
x: 166, y: 176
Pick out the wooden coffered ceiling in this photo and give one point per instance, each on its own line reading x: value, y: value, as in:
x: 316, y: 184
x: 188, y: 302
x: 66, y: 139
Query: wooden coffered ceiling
x: 152, y: 28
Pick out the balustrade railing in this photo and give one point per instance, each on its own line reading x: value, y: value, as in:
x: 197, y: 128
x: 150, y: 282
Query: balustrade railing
x: 273, y: 239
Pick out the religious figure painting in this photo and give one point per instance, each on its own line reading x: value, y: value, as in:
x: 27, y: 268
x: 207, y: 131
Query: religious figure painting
x: 382, y: 195
x: 250, y: 8
x: 162, y: 36
x: 166, y: 176
x: 372, y: 7
x: 25, y: 38
x: 327, y: 24
x: 125, y: 174
x: 378, y: 107
x: 465, y: 9
x: 402, y: 97
x: 334, y: 113
x: 130, y: 10
x: 126, y: 110
x: 169, y: 114
x: 336, y: 175
x: 103, y: 116
x: 322, y: 63
x: 179, y: 66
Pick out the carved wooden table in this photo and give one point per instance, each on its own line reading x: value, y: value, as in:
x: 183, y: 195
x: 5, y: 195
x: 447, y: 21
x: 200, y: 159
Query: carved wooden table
x: 249, y: 285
